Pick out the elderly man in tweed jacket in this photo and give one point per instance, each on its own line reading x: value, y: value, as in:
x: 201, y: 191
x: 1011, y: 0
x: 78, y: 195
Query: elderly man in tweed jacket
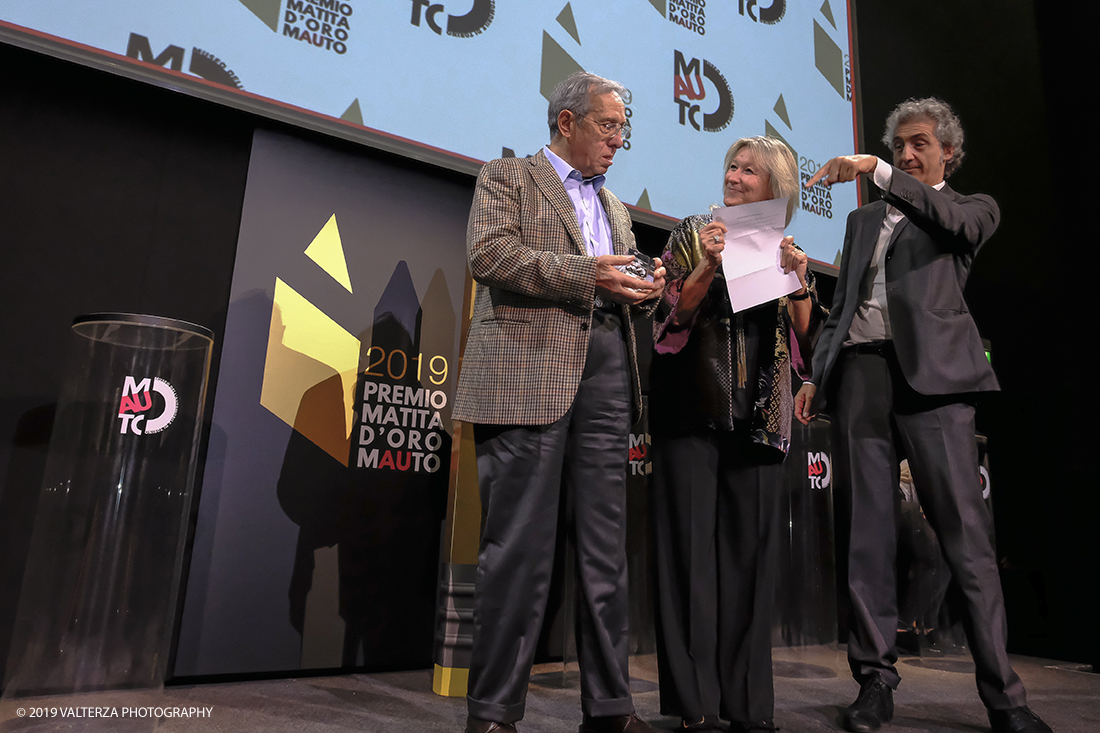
x: 550, y: 381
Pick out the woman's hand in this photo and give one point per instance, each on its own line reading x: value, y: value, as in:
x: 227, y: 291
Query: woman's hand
x: 697, y: 282
x: 792, y: 259
x: 712, y: 237
x: 799, y: 306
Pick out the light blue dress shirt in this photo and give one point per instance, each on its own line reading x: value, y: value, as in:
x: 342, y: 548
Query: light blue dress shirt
x: 584, y: 193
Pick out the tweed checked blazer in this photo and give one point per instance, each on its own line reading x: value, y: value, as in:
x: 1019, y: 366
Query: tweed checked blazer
x: 528, y: 338
x: 928, y: 261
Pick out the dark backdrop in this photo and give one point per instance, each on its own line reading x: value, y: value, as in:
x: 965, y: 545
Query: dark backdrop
x: 119, y: 196
x: 1010, y: 69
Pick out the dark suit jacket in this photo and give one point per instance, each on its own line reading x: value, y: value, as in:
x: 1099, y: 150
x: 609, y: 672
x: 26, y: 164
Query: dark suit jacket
x: 528, y: 338
x: 927, y: 264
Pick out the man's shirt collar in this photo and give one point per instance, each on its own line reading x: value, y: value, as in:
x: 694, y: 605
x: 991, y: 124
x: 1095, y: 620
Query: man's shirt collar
x: 567, y: 172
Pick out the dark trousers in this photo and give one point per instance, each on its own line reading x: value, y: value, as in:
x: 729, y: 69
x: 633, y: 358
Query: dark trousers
x: 919, y: 555
x: 877, y: 414
x: 714, y: 519
x: 525, y: 472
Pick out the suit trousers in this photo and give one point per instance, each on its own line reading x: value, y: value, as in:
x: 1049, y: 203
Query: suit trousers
x: 877, y: 415
x: 525, y: 472
x: 714, y: 518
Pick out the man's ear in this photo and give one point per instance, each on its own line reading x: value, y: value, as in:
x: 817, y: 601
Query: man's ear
x: 948, y: 153
x: 566, y: 122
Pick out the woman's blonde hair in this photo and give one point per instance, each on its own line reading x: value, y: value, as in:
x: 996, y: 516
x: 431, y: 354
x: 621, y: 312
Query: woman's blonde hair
x: 778, y: 160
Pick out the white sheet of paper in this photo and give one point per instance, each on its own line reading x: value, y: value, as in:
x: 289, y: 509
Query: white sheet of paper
x: 750, y: 260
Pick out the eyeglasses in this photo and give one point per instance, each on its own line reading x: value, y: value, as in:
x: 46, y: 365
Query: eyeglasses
x: 610, y: 129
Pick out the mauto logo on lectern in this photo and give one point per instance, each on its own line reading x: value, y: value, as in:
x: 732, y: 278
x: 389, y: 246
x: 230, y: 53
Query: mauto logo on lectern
x: 819, y: 470
x: 137, y: 402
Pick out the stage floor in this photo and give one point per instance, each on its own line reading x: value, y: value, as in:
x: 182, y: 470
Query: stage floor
x: 812, y: 686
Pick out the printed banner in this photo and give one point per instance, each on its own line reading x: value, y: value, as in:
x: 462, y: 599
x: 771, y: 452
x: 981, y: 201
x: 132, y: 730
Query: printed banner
x: 317, y: 544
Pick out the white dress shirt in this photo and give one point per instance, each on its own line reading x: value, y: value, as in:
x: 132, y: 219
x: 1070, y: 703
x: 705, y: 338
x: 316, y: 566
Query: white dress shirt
x: 872, y: 319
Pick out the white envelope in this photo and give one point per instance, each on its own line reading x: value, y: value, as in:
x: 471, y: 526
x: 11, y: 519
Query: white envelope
x: 750, y: 260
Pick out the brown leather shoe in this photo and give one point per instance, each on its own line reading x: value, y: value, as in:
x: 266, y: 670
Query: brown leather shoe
x: 615, y: 724
x: 477, y: 725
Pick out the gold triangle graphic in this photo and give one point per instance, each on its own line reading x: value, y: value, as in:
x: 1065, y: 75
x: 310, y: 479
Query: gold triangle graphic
x: 328, y: 252
x: 310, y: 371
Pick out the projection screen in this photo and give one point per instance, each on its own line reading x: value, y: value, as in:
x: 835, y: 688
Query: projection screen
x: 458, y: 82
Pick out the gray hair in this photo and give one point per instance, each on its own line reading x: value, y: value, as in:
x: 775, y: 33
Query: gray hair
x: 948, y: 128
x: 777, y: 159
x: 575, y: 94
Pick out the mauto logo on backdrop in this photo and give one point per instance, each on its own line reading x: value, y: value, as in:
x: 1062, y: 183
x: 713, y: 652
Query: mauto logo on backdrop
x: 324, y: 24
x: 320, y: 23
x: 769, y: 15
x: 136, y: 406
x: 689, y: 89
x: 691, y: 14
x: 467, y: 25
x: 203, y: 64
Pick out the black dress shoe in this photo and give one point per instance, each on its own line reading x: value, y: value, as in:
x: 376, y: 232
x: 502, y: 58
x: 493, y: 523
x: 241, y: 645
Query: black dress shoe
x: 705, y: 722
x: 477, y: 725
x: 873, y: 707
x: 615, y: 724
x: 1017, y: 720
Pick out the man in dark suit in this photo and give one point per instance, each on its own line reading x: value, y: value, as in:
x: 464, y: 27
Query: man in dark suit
x: 899, y: 363
x: 550, y: 380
